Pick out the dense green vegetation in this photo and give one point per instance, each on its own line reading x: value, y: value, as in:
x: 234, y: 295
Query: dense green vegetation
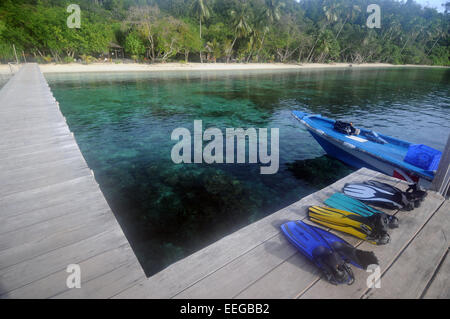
x: 225, y: 30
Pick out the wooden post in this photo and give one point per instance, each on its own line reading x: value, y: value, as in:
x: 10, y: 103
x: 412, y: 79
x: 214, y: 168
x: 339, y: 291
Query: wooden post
x: 441, y: 181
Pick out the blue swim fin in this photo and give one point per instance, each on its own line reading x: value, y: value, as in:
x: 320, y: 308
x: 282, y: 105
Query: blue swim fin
x: 357, y: 257
x: 316, y: 249
x: 329, y: 252
x: 344, y: 202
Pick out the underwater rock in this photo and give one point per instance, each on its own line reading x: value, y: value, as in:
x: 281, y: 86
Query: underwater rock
x: 321, y: 171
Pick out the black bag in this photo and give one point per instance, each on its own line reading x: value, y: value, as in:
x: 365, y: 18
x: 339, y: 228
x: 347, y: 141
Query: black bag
x: 344, y: 128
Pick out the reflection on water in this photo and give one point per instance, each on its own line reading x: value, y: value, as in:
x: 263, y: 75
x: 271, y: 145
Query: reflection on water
x: 123, y: 122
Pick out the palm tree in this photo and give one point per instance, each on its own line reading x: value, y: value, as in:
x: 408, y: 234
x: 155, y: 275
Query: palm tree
x: 330, y: 10
x: 351, y: 13
x: 241, y: 26
x: 200, y: 9
x: 272, y: 10
x: 271, y: 13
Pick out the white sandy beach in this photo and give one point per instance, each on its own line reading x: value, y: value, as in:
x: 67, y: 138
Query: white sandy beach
x: 129, y: 67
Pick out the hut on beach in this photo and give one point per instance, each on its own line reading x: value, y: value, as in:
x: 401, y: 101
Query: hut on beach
x: 115, y: 51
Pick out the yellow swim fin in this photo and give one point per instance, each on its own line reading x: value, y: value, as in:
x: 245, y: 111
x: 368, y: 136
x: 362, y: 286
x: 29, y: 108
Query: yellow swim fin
x: 372, y: 228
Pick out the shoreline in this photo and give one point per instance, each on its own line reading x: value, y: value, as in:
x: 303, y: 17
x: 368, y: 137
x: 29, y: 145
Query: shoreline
x: 174, y: 66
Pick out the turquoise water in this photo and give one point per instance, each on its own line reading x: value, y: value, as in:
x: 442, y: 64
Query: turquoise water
x: 123, y: 123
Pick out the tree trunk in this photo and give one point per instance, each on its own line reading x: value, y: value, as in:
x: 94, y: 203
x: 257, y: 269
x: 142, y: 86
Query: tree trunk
x: 312, y: 49
x: 186, y: 55
x: 342, y: 26
x: 404, y: 45
x: 433, y: 45
x: 300, y: 51
x: 17, y: 60
x: 230, y: 52
x: 261, y: 45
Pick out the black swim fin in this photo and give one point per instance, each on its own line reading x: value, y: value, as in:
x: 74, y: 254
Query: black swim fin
x: 378, y: 194
x: 413, y: 194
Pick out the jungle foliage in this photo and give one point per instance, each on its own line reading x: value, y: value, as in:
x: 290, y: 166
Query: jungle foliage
x: 302, y: 31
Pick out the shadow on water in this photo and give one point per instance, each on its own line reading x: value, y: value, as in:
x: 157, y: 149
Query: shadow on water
x: 123, y: 124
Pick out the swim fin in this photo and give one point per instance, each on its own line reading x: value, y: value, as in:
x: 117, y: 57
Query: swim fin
x: 343, y: 202
x: 328, y: 251
x: 317, y: 250
x: 357, y: 257
x: 372, y: 228
x: 378, y: 195
x: 413, y: 194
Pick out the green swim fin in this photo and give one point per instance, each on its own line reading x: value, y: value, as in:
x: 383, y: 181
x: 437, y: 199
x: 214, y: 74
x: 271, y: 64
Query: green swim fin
x: 344, y: 202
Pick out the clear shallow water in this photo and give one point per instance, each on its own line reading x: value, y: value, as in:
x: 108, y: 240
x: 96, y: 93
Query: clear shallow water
x: 123, y: 123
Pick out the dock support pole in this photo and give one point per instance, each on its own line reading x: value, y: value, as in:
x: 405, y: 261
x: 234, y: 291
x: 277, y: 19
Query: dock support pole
x: 441, y: 181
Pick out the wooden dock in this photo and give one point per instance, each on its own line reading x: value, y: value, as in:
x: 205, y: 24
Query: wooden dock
x: 52, y: 214
x: 258, y: 262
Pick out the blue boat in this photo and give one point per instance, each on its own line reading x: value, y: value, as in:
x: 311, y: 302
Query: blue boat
x: 372, y: 150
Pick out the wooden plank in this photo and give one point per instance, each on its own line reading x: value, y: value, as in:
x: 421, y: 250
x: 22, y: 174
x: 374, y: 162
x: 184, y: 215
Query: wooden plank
x: 44, y: 265
x: 410, y: 224
x: 44, y: 197
x: 36, y: 177
x: 56, y: 144
x: 49, y: 241
x: 79, y: 203
x: 35, y: 231
x: 91, y: 268
x: 439, y: 287
x: 10, y: 128
x: 187, y: 272
x: 241, y: 272
x: 108, y: 284
x: 20, y: 162
x: 413, y: 269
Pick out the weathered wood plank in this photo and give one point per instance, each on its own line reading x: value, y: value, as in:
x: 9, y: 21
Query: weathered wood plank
x: 244, y: 270
x: 109, y: 283
x: 52, y: 145
x: 44, y: 265
x: 78, y: 203
x: 71, y: 232
x: 20, y: 162
x: 414, y: 268
x: 41, y: 198
x: 91, y: 268
x: 440, y: 286
x: 43, y: 175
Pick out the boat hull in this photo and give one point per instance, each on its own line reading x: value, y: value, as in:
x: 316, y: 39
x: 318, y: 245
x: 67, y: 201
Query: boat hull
x: 357, y: 156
